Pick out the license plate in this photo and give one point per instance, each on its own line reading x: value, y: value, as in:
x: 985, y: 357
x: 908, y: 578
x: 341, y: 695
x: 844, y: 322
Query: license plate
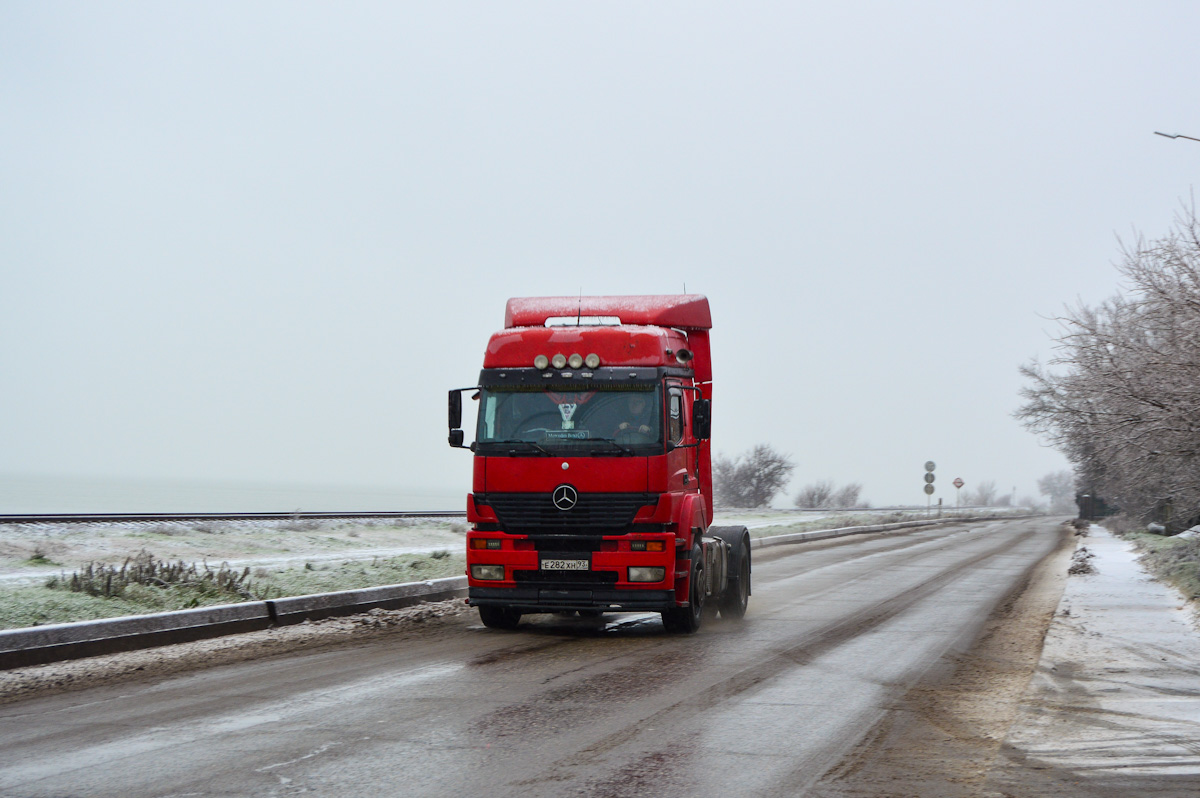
x: 565, y: 565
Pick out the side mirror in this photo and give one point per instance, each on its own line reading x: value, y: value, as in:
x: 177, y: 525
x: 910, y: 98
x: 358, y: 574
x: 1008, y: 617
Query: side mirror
x: 455, y: 415
x: 455, y: 409
x: 702, y: 419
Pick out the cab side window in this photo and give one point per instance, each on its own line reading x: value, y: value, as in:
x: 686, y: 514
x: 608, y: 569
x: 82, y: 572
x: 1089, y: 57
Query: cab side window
x: 675, y: 417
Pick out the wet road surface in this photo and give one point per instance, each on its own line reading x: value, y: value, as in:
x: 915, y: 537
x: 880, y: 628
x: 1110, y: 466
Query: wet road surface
x: 836, y: 632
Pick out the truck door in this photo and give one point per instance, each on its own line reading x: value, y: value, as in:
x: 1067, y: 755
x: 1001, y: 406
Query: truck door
x: 681, y: 462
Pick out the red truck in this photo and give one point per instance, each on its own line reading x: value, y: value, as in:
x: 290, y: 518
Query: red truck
x: 592, y: 488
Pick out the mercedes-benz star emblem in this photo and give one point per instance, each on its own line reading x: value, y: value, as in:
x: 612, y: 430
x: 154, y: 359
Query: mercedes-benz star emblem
x: 565, y: 497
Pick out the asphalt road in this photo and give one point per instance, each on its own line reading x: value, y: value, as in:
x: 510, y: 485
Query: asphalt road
x: 836, y: 634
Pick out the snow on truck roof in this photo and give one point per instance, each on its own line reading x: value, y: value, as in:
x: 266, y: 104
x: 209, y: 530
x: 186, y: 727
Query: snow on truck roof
x: 685, y: 311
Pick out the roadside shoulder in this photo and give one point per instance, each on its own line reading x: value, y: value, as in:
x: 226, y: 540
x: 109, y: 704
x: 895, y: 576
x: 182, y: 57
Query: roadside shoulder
x: 1114, y: 704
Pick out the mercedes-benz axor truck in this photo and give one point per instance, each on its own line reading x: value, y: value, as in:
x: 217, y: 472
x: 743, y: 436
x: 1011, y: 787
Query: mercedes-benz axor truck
x: 592, y: 487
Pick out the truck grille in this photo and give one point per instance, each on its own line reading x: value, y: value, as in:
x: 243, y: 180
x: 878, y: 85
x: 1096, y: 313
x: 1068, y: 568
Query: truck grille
x: 598, y: 578
x: 521, y: 511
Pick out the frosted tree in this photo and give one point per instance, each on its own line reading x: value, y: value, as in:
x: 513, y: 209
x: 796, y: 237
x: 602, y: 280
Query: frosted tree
x: 823, y: 495
x: 983, y: 496
x: 1059, y: 489
x: 1121, y: 397
x: 815, y: 495
x: 752, y: 479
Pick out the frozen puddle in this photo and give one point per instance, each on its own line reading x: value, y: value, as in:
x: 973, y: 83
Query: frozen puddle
x: 1117, y: 690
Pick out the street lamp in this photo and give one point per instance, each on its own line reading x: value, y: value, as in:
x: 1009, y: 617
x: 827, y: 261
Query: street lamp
x: 1176, y: 136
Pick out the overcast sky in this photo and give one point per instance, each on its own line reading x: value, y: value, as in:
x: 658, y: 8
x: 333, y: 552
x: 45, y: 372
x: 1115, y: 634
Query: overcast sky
x: 259, y: 241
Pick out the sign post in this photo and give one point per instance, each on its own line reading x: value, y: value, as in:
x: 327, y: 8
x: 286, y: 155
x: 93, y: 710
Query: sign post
x: 958, y: 483
x: 929, y: 467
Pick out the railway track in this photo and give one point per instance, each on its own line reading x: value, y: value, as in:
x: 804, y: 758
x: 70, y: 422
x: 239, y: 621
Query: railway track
x: 125, y: 518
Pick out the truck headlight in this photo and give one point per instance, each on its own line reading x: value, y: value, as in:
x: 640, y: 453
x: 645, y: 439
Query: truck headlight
x: 492, y: 572
x: 642, y: 573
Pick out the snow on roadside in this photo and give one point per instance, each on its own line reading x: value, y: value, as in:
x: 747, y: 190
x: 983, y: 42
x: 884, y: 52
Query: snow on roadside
x: 1116, y: 695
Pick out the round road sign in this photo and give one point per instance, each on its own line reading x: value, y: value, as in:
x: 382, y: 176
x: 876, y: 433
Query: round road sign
x: 958, y: 483
x: 929, y: 477
x: 930, y: 465
x: 929, y: 490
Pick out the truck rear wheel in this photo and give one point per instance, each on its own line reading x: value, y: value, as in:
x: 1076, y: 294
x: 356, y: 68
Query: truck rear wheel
x: 735, y: 593
x: 687, y: 619
x: 499, y: 617
x: 737, y: 596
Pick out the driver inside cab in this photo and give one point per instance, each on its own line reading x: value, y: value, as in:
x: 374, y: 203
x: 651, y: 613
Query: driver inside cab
x: 639, y: 416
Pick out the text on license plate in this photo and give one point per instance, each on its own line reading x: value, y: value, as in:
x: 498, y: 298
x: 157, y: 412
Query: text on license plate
x: 565, y: 565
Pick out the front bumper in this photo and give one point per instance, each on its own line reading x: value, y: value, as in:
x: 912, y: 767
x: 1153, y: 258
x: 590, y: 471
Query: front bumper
x: 576, y: 597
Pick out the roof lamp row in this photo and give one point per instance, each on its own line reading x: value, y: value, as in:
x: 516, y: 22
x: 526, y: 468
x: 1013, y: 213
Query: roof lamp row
x: 562, y: 361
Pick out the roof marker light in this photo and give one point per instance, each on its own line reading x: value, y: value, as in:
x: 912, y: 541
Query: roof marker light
x: 576, y: 360
x: 559, y: 360
x: 592, y: 360
x: 540, y: 362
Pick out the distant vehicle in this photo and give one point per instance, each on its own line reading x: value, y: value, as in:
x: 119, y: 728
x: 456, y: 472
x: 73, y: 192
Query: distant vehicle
x: 593, y: 481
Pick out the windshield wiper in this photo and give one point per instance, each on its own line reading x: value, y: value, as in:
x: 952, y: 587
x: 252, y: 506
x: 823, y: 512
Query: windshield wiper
x: 627, y: 450
x: 527, y: 443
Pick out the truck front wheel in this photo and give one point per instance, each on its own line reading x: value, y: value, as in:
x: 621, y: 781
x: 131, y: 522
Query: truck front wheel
x: 687, y: 619
x: 499, y: 617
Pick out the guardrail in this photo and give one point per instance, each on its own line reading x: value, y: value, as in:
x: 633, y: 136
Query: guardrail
x: 39, y: 645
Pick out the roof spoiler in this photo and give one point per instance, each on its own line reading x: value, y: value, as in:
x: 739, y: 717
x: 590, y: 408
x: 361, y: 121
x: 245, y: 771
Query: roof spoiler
x: 685, y: 311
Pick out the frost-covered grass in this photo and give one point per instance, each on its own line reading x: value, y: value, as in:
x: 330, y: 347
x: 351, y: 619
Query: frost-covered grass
x: 34, y: 605
x: 1174, y: 560
x: 328, y: 577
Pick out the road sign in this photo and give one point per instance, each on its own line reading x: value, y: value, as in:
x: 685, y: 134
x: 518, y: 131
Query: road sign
x: 929, y: 477
x: 929, y: 490
x: 958, y: 483
x: 930, y: 465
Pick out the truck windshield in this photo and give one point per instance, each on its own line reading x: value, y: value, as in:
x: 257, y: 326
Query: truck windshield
x: 584, y: 421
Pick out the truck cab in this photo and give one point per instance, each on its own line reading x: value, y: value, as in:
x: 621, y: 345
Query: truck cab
x: 592, y: 484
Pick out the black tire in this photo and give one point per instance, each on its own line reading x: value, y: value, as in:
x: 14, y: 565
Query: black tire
x: 735, y: 595
x: 499, y: 617
x: 688, y: 619
x: 737, y: 592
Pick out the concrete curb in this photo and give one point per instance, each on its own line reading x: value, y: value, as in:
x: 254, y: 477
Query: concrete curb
x: 298, y: 609
x: 38, y: 645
